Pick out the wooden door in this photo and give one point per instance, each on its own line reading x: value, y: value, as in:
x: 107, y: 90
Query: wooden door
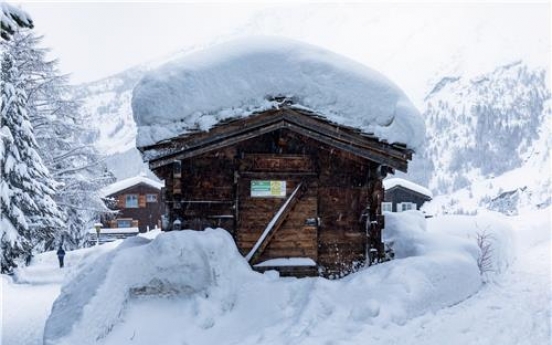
x: 279, y: 192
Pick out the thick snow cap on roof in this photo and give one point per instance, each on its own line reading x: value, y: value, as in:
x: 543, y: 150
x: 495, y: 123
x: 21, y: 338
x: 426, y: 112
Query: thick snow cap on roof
x: 396, y: 181
x: 127, y: 183
x: 238, y: 78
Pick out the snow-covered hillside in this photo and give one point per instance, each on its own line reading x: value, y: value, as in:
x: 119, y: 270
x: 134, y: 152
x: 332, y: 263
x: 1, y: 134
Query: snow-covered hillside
x: 107, y: 103
x: 488, y: 141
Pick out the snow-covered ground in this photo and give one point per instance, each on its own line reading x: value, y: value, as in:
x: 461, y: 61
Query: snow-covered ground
x: 427, y: 295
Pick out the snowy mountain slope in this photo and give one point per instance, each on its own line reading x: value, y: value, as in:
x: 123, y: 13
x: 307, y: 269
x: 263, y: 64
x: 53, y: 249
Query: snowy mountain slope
x: 488, y: 141
x: 107, y: 103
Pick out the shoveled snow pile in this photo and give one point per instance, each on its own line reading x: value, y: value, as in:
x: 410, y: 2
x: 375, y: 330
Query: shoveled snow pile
x: 238, y: 78
x: 191, y: 287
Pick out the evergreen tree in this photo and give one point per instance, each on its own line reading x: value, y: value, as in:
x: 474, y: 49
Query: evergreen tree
x: 29, y: 215
x: 12, y: 19
x: 61, y: 132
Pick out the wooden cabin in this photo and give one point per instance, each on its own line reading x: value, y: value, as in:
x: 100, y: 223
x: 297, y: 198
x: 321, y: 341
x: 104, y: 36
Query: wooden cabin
x: 136, y: 203
x: 402, y: 195
x: 298, y: 193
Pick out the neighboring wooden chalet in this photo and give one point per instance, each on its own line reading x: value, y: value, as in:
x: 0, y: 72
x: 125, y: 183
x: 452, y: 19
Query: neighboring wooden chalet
x: 137, y: 201
x: 402, y: 195
x: 297, y: 192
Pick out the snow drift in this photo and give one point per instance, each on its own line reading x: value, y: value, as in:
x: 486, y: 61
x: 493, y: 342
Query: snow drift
x: 195, y: 287
x: 178, y: 263
x: 238, y: 78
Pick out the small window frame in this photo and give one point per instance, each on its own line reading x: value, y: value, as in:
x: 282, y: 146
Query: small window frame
x: 407, y: 206
x: 131, y: 201
x: 124, y: 222
x: 151, y: 198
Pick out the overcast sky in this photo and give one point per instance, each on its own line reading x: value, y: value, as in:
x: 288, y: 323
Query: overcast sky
x: 97, y: 39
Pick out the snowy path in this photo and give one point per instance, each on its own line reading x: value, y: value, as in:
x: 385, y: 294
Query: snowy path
x: 25, y: 308
x: 26, y: 302
x: 514, y: 309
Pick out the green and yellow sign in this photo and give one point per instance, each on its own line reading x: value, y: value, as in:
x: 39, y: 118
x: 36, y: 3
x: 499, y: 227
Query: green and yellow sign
x: 268, y: 189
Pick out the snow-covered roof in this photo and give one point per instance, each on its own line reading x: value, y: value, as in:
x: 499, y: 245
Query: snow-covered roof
x: 393, y: 182
x: 127, y: 183
x: 239, y: 78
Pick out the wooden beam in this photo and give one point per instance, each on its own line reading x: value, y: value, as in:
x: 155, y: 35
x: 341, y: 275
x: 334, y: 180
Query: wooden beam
x: 350, y: 147
x: 345, y: 134
x: 211, y: 145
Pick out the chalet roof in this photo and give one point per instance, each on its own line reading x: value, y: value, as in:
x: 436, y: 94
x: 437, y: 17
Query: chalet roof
x: 127, y: 183
x: 391, y: 183
x: 248, y: 76
x: 230, y: 132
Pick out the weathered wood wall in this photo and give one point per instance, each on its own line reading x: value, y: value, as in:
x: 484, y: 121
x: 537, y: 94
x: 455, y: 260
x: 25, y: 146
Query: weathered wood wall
x: 200, y: 191
x: 213, y: 189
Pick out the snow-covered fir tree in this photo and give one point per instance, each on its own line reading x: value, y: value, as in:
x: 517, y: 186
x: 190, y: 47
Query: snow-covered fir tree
x: 29, y: 215
x: 11, y: 19
x: 61, y: 132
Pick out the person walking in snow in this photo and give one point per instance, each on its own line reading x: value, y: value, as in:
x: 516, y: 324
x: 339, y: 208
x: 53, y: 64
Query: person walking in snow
x: 60, y: 255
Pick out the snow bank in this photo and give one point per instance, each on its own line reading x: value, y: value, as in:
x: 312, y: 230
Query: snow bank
x: 174, y: 264
x: 490, y: 231
x: 194, y: 287
x: 238, y: 78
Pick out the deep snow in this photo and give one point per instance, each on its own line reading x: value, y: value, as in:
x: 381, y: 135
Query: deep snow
x: 376, y: 305
x: 193, y: 93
